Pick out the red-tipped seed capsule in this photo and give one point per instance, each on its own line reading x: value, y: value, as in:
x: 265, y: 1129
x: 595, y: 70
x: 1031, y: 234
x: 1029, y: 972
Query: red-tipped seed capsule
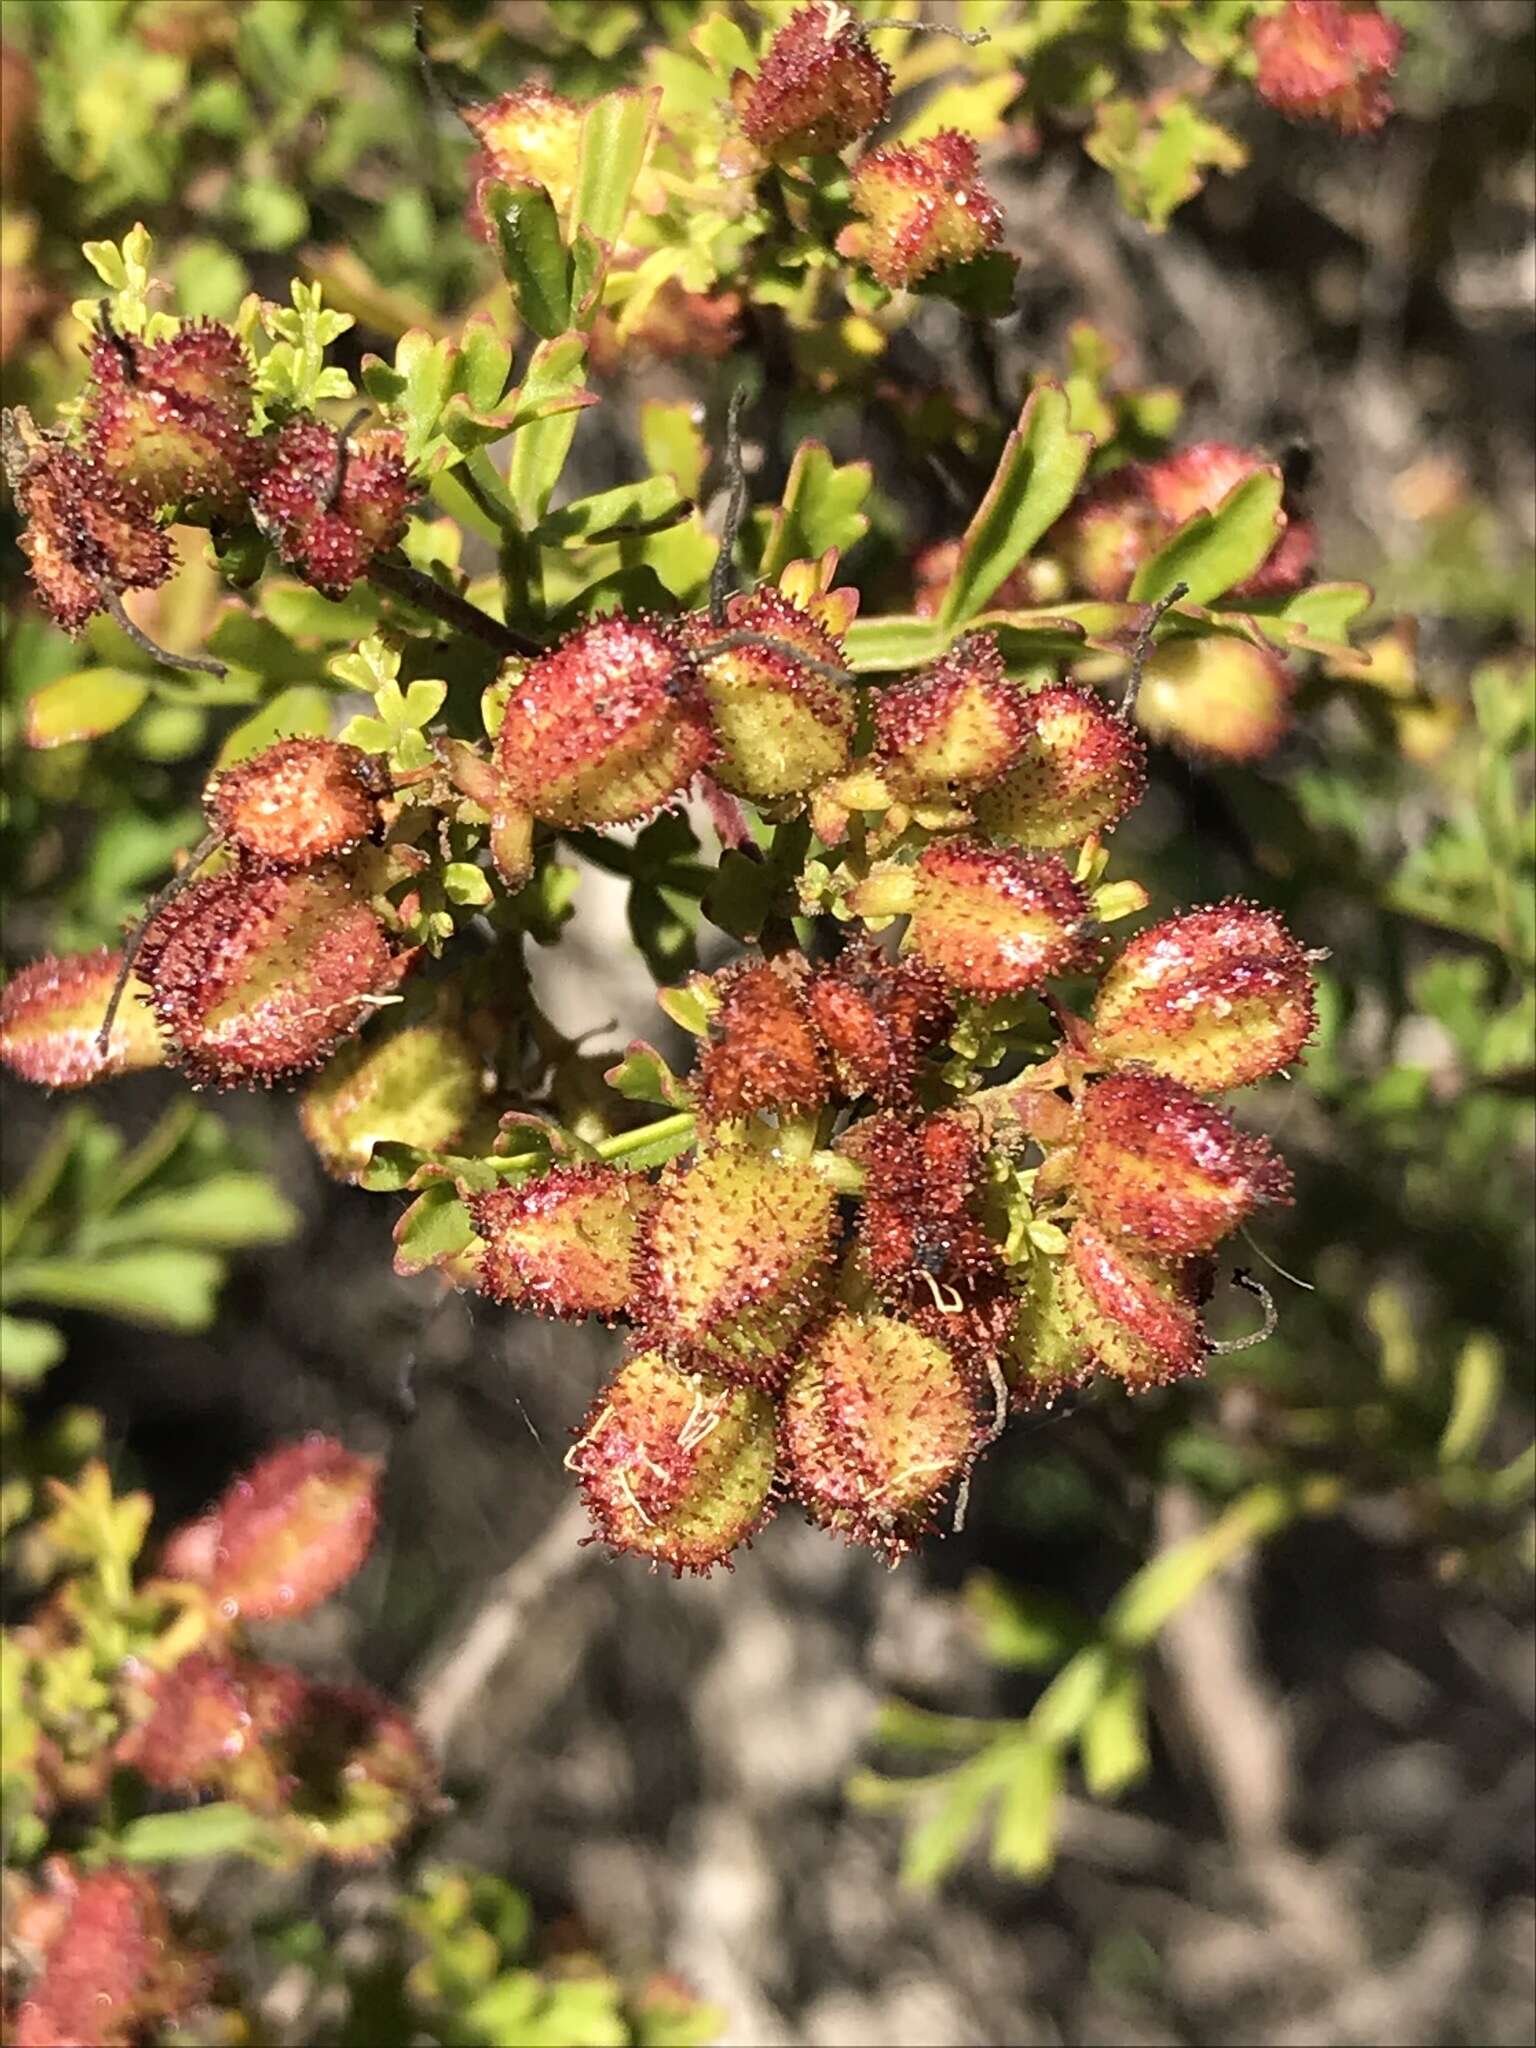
x: 563, y: 1242
x: 1215, y: 999
x: 51, y: 1014
x: 675, y: 1466
x: 1078, y: 770
x: 925, y: 205
x: 994, y: 922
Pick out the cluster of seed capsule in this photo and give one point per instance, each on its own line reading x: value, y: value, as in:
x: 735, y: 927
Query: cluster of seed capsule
x: 334, y: 1770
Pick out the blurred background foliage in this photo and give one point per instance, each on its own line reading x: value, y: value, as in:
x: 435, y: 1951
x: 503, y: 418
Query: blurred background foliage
x: 1365, y: 306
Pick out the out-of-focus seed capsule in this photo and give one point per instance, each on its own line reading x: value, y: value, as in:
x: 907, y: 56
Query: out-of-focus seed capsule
x: 820, y: 88
x: 1219, y: 698
x: 880, y: 1421
x: 763, y: 1052
x: 1328, y: 60
x: 878, y: 1018
x: 951, y: 729
x: 419, y: 1083
x: 1078, y: 770
x: 1215, y: 998
x: 171, y: 419
x: 87, y: 538
x: 1103, y: 538
x: 563, y: 1242
x: 994, y: 922
x: 215, y: 1725
x: 1197, y: 478
x: 1157, y: 1165
x: 330, y: 504
x: 298, y: 801
x: 925, y: 205
x: 52, y: 1011
x: 284, y: 1535
x: 607, y: 727
x: 528, y: 136
x: 1134, y: 1315
x: 257, y: 978
x: 113, y: 1972
x: 674, y: 1466
x: 781, y: 728
x: 360, y: 1775
x: 734, y: 1261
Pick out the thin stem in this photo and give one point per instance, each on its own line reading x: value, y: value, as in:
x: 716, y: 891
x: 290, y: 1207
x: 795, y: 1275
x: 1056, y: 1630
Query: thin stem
x: 973, y: 38
x: 648, y: 1134
x: 740, y: 637
x: 181, y: 880
x: 400, y: 580
x: 1227, y: 1345
x: 203, y: 663
x: 1143, y: 647
x: 735, y: 507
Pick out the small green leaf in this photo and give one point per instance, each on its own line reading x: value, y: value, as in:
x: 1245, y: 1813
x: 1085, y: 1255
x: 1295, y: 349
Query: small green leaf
x: 83, y: 706
x: 1042, y: 465
x: 615, y: 137
x: 628, y: 508
x: 1475, y: 1395
x: 1114, y: 1743
x: 1024, y: 1833
x: 465, y: 883
x: 1158, y: 153
x: 644, y: 1076
x: 221, y: 1829
x: 1021, y: 1627
x: 174, y: 1287
x: 435, y: 1227
x: 533, y: 257
x: 554, y: 372
x: 1216, y: 550
x: 877, y: 645
x: 27, y: 1349
x: 672, y: 443
x: 820, y: 510
x: 222, y: 1211
x: 937, y: 1842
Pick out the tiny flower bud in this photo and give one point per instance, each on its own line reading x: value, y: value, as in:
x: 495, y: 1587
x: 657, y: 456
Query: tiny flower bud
x: 172, y: 419
x: 763, y: 1053
x: 1133, y: 1315
x: 782, y: 729
x: 605, y: 728
x: 531, y: 135
x: 1157, y: 1165
x: 879, y: 1422
x: 1104, y: 537
x: 563, y: 1242
x: 419, y: 1084
x: 256, y: 978
x: 52, y: 1011
x: 113, y: 1973
x: 330, y: 504
x: 734, y: 1261
x: 287, y: 1533
x: 215, y: 1726
x: 821, y: 87
x: 1328, y: 60
x: 994, y: 922
x: 1217, y: 697
x: 951, y: 729
x: 925, y: 205
x: 674, y: 1466
x: 878, y: 1018
x: 87, y: 538
x: 1215, y: 999
x: 298, y: 801
x: 1078, y: 770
